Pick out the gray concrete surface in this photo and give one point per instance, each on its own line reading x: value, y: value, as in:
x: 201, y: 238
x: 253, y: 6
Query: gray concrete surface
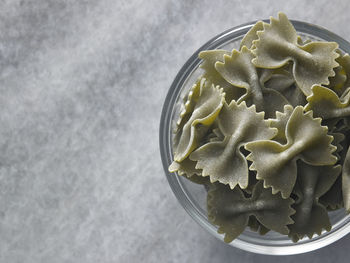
x: 82, y: 85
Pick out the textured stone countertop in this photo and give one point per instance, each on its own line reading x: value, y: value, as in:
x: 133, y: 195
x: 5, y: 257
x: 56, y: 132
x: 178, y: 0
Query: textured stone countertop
x: 82, y: 85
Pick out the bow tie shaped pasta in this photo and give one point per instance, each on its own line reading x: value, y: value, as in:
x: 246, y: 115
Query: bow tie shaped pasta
x: 277, y: 45
x: 209, y: 58
x: 311, y: 217
x: 222, y: 160
x: 230, y: 210
x: 239, y: 71
x: 276, y: 163
x: 326, y: 104
x: 206, y: 107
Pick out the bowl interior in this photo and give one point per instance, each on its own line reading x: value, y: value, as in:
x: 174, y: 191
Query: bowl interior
x: 193, y: 196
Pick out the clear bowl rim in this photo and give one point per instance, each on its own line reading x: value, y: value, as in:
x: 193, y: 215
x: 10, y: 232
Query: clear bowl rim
x: 335, y: 234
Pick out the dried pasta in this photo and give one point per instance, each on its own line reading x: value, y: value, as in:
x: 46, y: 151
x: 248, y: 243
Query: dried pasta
x: 265, y: 129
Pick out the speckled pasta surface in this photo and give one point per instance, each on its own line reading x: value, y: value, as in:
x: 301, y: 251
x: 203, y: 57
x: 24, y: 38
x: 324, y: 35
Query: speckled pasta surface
x: 265, y: 130
x: 311, y: 217
x: 277, y: 44
x: 223, y: 160
x: 238, y: 70
x: 209, y: 58
x: 306, y: 140
x: 230, y: 210
x: 206, y: 107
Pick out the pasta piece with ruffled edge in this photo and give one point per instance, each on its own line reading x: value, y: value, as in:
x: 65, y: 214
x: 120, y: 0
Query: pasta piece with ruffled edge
x: 251, y: 35
x: 280, y: 123
x: 238, y: 70
x: 337, y: 142
x: 344, y: 62
x: 277, y: 44
x: 311, y: 217
x: 333, y: 198
x: 209, y: 58
x: 306, y: 140
x: 336, y: 130
x: 341, y: 81
x: 346, y: 182
x: 205, y: 111
x: 230, y: 210
x: 187, y: 107
x: 187, y: 169
x: 222, y: 160
x: 326, y: 104
x: 338, y: 82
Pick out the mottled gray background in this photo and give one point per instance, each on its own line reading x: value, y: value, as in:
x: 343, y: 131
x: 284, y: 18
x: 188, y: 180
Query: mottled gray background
x: 82, y: 85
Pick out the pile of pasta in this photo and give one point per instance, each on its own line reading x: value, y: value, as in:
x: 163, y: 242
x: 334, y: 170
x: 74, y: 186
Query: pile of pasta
x: 266, y: 129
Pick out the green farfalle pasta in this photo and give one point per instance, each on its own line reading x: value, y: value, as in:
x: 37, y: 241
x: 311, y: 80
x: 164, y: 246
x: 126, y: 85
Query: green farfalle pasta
x: 186, y: 167
x: 311, y: 217
x: 337, y: 142
x: 306, y: 140
x: 230, y: 210
x: 265, y: 129
x: 277, y: 45
x: 326, y: 104
x: 251, y: 35
x: 238, y: 70
x: 205, y: 110
x: 222, y: 160
x: 188, y: 106
x: 337, y: 82
x: 341, y: 81
x: 209, y: 58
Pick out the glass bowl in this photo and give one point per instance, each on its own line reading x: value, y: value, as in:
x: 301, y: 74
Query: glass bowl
x: 193, y: 196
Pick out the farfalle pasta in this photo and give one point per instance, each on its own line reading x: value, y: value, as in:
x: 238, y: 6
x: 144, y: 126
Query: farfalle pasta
x: 223, y: 160
x: 238, y: 70
x: 265, y: 129
x: 311, y: 216
x: 307, y: 140
x: 207, y: 103
x: 231, y: 209
x: 278, y: 44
